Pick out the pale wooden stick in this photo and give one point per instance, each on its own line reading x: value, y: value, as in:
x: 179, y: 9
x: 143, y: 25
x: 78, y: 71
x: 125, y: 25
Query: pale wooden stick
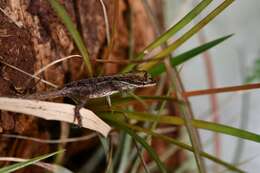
x: 54, y: 111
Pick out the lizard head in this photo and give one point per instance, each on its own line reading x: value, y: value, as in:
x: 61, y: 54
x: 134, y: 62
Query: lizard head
x: 138, y: 79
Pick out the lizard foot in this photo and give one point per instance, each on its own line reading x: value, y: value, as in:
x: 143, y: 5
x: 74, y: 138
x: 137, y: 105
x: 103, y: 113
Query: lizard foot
x: 77, y: 115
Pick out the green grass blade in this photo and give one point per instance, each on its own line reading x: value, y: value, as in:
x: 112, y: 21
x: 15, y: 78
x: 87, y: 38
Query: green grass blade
x: 173, y: 30
x: 127, y: 99
x: 124, y: 126
x: 101, y: 104
x: 62, y: 13
x: 174, y: 120
x: 160, y: 68
x: 172, y: 47
x: 17, y: 166
x: 227, y: 130
x: 254, y: 75
x: 142, y: 141
x: 187, y: 147
x: 177, y: 27
x: 126, y: 150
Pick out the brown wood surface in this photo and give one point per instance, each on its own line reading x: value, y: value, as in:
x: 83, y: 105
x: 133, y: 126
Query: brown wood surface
x: 43, y: 38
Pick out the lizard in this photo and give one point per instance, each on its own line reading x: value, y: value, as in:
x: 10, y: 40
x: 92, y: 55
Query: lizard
x: 96, y: 87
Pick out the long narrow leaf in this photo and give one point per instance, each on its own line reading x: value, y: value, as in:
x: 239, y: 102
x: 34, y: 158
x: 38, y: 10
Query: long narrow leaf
x: 173, y: 30
x: 172, y: 47
x: 181, y: 24
x: 17, y: 166
x: 101, y: 104
x: 62, y: 13
x: 142, y: 141
x: 174, y: 120
x: 128, y: 127
x: 187, y: 147
x: 160, y: 68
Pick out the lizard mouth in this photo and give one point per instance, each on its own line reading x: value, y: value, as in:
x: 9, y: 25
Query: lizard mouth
x: 150, y: 84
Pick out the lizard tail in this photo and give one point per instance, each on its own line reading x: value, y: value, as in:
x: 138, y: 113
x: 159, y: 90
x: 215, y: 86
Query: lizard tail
x: 45, y: 95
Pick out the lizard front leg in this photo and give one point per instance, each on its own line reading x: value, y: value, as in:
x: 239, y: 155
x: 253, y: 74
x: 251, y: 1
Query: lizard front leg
x: 77, y: 108
x: 118, y: 86
x: 80, y: 103
x: 109, y: 101
x: 115, y: 85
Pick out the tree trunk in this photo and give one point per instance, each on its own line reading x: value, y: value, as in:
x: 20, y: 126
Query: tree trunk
x: 32, y: 36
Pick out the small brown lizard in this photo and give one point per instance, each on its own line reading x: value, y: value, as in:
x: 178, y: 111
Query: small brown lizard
x: 104, y: 86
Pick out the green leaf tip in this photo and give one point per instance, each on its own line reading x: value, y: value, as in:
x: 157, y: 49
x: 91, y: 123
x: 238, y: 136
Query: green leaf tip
x: 180, y: 59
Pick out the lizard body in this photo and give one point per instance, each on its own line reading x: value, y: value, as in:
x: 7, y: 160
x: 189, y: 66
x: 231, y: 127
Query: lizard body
x: 104, y: 86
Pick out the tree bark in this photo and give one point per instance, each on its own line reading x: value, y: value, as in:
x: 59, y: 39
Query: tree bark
x: 32, y: 36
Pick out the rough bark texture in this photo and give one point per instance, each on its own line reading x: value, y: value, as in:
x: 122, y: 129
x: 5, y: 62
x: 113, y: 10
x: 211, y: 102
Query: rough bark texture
x: 31, y: 36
